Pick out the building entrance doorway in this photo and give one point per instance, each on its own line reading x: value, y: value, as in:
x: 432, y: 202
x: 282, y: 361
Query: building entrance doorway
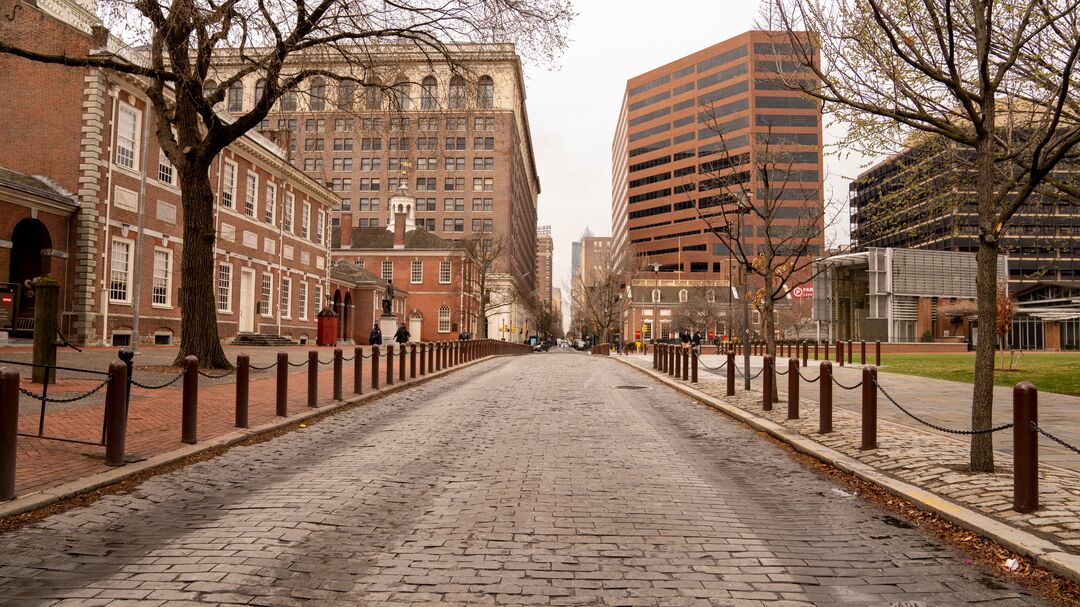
x: 247, y: 300
x: 29, y: 238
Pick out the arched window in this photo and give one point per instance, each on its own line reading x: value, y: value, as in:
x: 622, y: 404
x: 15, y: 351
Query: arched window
x: 402, y: 96
x: 444, y: 319
x: 710, y: 296
x: 485, y: 93
x: 428, y: 88
x: 236, y: 97
x: 457, y: 93
x: 656, y: 295
x: 260, y: 89
x: 682, y: 295
x: 318, y: 94
x: 209, y: 88
x: 346, y: 93
x: 288, y: 101
x: 374, y: 95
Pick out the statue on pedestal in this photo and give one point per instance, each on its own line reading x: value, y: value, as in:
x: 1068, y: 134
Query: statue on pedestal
x: 388, y: 301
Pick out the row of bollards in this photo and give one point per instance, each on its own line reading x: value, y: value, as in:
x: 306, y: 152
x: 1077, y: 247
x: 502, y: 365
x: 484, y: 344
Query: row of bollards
x: 801, y: 350
x: 673, y: 360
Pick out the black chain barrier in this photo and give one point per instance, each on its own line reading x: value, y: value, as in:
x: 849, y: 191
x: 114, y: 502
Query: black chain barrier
x: 1057, y: 440
x: 809, y: 381
x: 324, y: 363
x: 212, y: 376
x: 302, y: 363
x: 722, y: 365
x: 858, y: 385
x: 66, y: 399
x: 266, y: 368
x: 348, y: 359
x: 159, y: 386
x: 935, y: 426
x: 779, y: 372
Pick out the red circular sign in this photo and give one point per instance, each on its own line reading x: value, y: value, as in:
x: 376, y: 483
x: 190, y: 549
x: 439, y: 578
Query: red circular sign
x: 7, y: 299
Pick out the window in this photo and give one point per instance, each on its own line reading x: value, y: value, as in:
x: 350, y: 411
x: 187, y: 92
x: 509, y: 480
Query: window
x: 484, y: 123
x: 416, y: 276
x: 343, y: 125
x: 314, y: 144
x: 370, y: 185
x: 320, y: 227
x: 305, y: 220
x: 656, y: 296
x: 166, y: 173
x: 426, y: 164
x: 313, y: 164
x: 483, y: 143
x: 271, y: 203
x: 287, y: 220
x: 455, y: 143
x: 302, y: 301
x: 427, y: 93
x: 251, y: 194
x: 286, y: 290
x: 371, y: 164
x: 483, y: 163
x: 315, y: 125
x: 287, y: 123
x: 402, y: 143
x: 346, y: 94
x: 342, y: 164
x: 429, y: 144
x: 710, y: 296
x: 428, y: 224
x: 318, y: 94
x: 161, y: 294
x: 267, y: 291
x: 236, y: 97
x: 444, y: 318
x: 454, y: 184
x: 454, y: 164
x: 455, y: 124
x: 427, y: 124
x: 453, y: 225
x: 483, y: 184
x: 120, y: 271
x: 127, y: 136
x: 344, y: 144
x: 400, y: 124
x: 341, y: 184
x: 346, y: 205
x: 457, y: 93
x: 374, y: 95
x: 425, y: 184
x: 485, y: 93
x: 481, y: 225
x: 402, y: 96
x: 481, y: 204
x: 288, y: 101
x: 453, y: 204
x: 425, y: 204
x: 387, y: 272
x: 260, y: 89
x: 444, y: 272
x: 318, y: 301
x: 371, y: 143
x: 224, y: 287
x: 682, y: 295
x: 369, y: 204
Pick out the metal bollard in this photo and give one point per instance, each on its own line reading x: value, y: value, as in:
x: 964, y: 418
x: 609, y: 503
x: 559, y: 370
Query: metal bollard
x: 877, y: 353
x: 457, y: 353
x: 431, y: 357
x: 685, y: 363
x: 862, y: 352
x: 815, y: 349
x: 840, y: 352
x: 825, y: 397
x: 694, y: 372
x: 446, y: 355
x: 655, y: 359
x: 9, y: 428
x: 189, y: 416
x: 128, y: 356
x: 869, y: 407
x: 401, y: 363
x: 243, y: 380
x: 423, y: 367
x: 313, y: 378
x: 826, y: 357
x: 358, y: 371
x: 412, y: 361
x: 437, y: 346
x: 389, y: 364
x: 675, y: 366
x: 339, y: 391
x: 282, y: 397
x: 375, y: 367
x: 116, y: 406
x: 1025, y: 447
x: 731, y: 373
x: 767, y: 377
x: 793, y: 389
x: 805, y: 352
x: 850, y: 350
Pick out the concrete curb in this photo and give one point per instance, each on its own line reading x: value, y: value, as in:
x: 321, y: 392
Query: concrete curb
x: 1045, y: 553
x: 34, y: 501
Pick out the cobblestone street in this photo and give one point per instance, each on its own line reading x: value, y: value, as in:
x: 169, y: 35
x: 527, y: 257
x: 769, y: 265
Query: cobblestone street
x: 556, y: 478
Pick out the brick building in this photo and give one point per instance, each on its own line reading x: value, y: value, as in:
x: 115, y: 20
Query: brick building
x: 545, y: 249
x: 90, y: 132
x: 669, y: 163
x: 460, y: 141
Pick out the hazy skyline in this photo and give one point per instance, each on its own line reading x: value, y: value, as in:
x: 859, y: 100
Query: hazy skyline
x: 574, y: 107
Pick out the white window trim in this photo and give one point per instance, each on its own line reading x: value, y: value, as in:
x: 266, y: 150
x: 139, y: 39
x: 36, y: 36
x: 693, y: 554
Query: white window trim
x: 217, y: 288
x: 412, y: 272
x: 287, y: 222
x: 439, y: 320
x: 226, y: 187
x: 270, y: 206
x: 251, y: 192
x: 286, y: 297
x: 269, y: 298
x: 449, y: 272
x: 168, y: 279
x: 302, y: 299
x: 163, y: 161
x: 305, y: 220
x: 112, y: 268
x: 382, y: 270
x: 136, y: 139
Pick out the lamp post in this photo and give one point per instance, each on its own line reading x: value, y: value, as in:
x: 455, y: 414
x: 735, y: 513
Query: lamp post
x: 742, y: 200
x: 655, y: 312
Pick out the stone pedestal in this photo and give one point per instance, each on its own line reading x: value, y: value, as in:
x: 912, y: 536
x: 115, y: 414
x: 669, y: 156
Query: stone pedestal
x: 389, y: 326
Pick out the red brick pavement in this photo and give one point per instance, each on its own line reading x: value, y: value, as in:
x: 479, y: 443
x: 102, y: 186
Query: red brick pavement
x: 154, y: 420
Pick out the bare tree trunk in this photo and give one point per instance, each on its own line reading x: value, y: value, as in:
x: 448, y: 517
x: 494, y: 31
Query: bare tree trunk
x: 198, y: 327
x: 768, y: 325
x: 982, y: 401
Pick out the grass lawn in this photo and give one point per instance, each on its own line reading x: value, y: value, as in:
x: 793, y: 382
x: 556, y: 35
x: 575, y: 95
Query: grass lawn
x: 1049, y: 371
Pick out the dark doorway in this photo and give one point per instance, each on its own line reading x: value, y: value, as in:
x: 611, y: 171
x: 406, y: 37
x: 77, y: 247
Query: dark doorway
x: 28, y: 239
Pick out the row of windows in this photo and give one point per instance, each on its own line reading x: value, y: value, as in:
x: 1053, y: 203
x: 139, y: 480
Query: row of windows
x: 450, y: 163
x: 423, y: 184
x: 120, y: 267
x: 422, y: 204
x: 265, y: 303
x: 249, y: 205
x: 399, y: 96
x: 346, y: 125
x: 416, y: 271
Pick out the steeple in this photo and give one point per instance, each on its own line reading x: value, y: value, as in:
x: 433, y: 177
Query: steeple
x: 402, y: 208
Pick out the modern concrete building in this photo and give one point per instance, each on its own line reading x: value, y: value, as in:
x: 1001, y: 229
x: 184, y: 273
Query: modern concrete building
x: 924, y: 198
x: 670, y: 161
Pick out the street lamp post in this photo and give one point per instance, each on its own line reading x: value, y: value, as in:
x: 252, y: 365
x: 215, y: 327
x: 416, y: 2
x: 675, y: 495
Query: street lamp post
x: 742, y: 200
x: 655, y: 325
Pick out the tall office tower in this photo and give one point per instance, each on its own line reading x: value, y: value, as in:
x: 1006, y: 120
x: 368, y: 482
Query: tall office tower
x: 545, y: 247
x: 924, y: 198
x: 668, y: 156
x: 595, y: 259
x: 460, y: 140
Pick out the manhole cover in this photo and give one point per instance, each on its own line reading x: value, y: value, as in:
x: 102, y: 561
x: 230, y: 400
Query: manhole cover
x: 632, y: 387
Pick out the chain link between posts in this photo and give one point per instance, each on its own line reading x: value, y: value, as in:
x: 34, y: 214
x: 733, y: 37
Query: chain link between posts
x: 159, y: 386
x: 67, y: 399
x: 212, y: 376
x: 935, y: 426
x: 1057, y: 440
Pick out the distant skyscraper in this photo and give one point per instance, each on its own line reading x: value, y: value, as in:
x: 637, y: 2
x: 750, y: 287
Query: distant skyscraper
x: 545, y: 247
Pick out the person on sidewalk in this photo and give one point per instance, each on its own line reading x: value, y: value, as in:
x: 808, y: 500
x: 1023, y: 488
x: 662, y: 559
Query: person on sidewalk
x: 376, y: 336
x: 402, y: 335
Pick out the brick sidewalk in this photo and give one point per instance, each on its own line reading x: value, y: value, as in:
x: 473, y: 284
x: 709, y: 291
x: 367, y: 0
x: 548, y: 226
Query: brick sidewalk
x: 154, y: 416
x: 922, y: 457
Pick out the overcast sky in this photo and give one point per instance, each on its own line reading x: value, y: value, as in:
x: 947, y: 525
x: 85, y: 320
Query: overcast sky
x: 573, y: 108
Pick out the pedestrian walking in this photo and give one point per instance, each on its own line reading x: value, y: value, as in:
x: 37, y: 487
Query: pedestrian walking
x: 375, y: 338
x: 402, y: 335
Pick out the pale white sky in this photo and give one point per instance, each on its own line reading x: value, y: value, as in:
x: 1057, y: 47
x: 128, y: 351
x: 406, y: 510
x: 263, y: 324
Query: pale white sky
x: 573, y: 108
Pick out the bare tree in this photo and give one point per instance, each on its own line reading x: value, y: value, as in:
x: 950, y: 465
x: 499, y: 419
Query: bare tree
x: 490, y: 288
x: 701, y: 312
x: 597, y: 297
x: 996, y: 78
x: 794, y: 317
x: 283, y: 44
